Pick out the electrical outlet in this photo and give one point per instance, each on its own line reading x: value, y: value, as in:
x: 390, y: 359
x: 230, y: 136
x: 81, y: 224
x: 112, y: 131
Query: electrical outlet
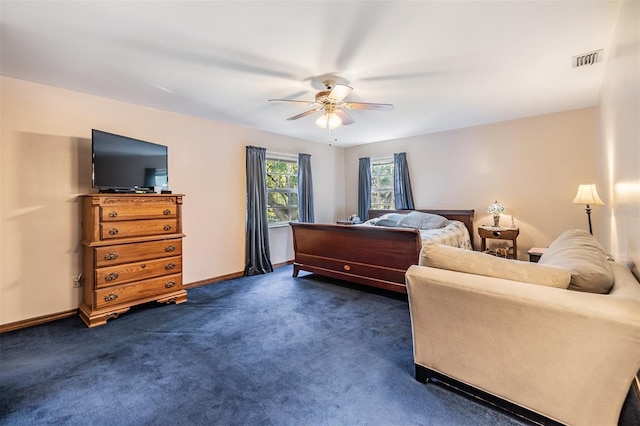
x: 77, y: 280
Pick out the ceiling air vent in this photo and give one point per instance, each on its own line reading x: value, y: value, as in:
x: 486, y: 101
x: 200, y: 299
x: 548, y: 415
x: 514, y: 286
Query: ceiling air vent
x: 587, y: 58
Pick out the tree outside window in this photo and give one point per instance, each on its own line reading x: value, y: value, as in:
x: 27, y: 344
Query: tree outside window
x: 282, y: 190
x: 382, y: 184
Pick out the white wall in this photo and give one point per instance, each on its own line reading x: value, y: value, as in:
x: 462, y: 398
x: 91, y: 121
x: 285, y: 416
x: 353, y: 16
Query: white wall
x: 533, y: 166
x: 45, y: 162
x: 619, y: 141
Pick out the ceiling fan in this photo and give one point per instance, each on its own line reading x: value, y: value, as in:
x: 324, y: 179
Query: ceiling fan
x: 331, y: 103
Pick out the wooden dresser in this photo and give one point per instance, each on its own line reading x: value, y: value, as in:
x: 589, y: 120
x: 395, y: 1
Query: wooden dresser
x: 132, y: 253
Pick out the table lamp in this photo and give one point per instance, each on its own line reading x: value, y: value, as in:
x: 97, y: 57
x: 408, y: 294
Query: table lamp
x: 496, y: 208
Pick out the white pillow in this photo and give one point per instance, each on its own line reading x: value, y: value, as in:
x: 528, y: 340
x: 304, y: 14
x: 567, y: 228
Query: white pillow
x: 475, y: 262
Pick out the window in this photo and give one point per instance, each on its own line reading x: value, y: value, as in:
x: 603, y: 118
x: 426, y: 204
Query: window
x: 382, y: 184
x: 282, y: 189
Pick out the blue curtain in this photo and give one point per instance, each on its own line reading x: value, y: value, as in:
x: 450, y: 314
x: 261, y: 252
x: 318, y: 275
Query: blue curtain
x: 257, y: 256
x: 305, y: 189
x: 401, y: 182
x: 364, y: 187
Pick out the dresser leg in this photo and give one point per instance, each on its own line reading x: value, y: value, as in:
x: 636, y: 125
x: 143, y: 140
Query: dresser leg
x: 94, y: 320
x: 174, y: 298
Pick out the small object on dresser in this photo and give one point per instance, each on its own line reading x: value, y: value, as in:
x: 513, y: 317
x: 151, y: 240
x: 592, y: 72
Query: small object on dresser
x: 351, y: 220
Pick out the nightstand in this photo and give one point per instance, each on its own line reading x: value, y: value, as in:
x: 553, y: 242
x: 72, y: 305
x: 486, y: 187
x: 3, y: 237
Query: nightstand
x: 348, y: 222
x: 535, y: 253
x: 499, y: 233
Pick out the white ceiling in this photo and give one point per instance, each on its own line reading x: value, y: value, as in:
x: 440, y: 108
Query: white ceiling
x: 443, y: 64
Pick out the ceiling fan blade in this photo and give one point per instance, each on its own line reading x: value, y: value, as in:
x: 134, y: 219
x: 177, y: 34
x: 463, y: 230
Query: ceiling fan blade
x: 304, y: 114
x: 368, y: 106
x: 339, y: 92
x: 292, y: 100
x: 346, y: 118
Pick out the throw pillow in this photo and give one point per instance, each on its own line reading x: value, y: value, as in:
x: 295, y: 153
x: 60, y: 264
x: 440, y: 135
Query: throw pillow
x: 475, y: 262
x: 421, y: 220
x: 580, y: 253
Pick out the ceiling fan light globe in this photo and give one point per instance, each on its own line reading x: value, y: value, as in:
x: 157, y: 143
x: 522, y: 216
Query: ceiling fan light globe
x: 322, y: 121
x: 334, y: 121
x: 330, y: 120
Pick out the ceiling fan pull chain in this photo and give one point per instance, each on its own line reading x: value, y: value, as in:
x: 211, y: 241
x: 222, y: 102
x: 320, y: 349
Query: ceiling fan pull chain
x: 333, y: 138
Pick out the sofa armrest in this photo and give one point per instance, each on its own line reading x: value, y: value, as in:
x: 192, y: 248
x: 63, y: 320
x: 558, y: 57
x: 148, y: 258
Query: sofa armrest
x: 568, y: 355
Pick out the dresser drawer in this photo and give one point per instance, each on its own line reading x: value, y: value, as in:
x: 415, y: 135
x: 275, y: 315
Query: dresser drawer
x: 127, y: 272
x: 149, y: 210
x: 125, y: 253
x: 139, y: 290
x: 137, y: 228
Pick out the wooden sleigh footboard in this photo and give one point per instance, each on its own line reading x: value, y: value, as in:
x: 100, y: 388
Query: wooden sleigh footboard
x: 361, y: 254
x: 369, y: 255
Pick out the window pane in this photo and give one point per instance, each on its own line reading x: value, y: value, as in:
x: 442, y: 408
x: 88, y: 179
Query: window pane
x: 382, y: 186
x: 282, y: 190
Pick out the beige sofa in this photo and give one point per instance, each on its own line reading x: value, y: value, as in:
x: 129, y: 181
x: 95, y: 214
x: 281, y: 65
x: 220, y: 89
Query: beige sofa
x: 560, y: 338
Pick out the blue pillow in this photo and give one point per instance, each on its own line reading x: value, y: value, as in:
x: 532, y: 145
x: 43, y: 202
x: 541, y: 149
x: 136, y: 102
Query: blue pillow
x: 421, y: 220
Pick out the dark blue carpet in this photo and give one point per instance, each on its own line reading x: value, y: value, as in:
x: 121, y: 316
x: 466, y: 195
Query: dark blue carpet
x: 263, y: 350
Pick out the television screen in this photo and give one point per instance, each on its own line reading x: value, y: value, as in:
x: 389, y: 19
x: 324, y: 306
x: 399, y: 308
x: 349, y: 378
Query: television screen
x: 125, y: 164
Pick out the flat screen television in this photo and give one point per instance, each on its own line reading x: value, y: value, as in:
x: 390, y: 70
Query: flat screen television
x: 124, y: 164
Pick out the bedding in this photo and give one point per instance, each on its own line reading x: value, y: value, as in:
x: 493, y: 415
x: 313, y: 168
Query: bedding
x: 434, y: 229
x: 455, y: 234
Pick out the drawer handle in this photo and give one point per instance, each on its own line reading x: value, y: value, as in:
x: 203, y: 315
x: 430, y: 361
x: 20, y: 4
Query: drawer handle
x: 347, y: 267
x: 112, y: 276
x: 496, y: 233
x: 170, y: 266
x: 113, y: 214
x: 110, y: 256
x: 113, y: 231
x: 144, y: 265
x: 167, y: 227
x: 166, y: 212
x: 170, y: 284
x: 110, y: 297
x: 169, y: 248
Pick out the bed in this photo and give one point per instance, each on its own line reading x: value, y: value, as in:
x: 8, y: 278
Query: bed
x: 370, y: 254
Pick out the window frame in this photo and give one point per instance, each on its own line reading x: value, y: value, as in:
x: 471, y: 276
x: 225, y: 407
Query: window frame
x: 374, y: 189
x: 288, y: 158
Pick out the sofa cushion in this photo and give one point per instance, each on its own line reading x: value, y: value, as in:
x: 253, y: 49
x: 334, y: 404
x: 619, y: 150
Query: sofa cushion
x: 580, y: 253
x: 474, y: 262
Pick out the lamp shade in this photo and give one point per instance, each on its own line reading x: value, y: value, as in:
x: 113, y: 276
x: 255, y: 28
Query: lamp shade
x: 496, y: 208
x: 587, y: 194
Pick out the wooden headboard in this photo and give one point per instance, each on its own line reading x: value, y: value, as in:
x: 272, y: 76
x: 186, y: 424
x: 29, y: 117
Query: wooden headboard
x: 464, y: 216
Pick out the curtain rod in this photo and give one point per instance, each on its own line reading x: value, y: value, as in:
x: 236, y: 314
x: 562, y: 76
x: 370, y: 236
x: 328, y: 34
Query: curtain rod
x: 282, y: 154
